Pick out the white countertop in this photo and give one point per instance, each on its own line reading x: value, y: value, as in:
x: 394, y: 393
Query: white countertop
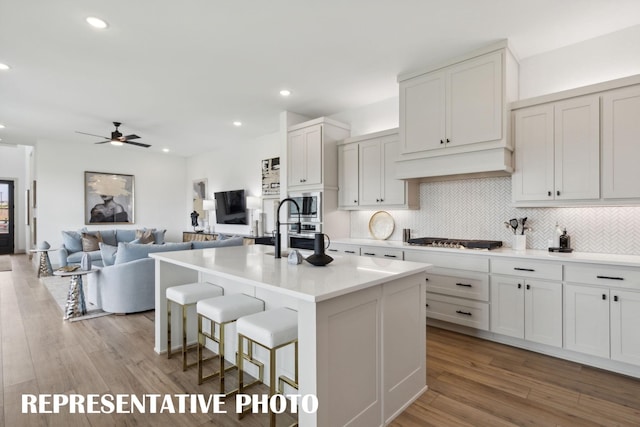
x: 581, y: 257
x: 255, y: 265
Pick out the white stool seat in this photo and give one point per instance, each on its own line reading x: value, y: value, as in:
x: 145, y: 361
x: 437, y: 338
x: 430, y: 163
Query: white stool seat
x: 228, y: 308
x: 270, y: 328
x: 193, y: 292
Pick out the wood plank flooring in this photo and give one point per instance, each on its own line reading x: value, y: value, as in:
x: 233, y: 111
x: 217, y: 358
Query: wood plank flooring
x: 471, y: 382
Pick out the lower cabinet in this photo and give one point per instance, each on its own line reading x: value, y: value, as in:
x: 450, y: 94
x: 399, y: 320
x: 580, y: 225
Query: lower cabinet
x: 342, y: 249
x: 602, y: 322
x: 525, y: 308
x: 381, y: 252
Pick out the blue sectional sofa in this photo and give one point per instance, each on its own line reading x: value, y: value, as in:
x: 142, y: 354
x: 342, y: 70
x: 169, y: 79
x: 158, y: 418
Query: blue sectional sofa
x: 73, y: 245
x: 128, y: 285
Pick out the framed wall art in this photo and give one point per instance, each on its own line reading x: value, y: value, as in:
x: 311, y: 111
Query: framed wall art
x: 271, y: 177
x: 108, y: 198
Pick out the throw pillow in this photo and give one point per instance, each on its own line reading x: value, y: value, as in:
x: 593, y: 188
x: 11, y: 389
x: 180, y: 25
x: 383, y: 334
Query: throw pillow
x: 72, y: 241
x: 108, y: 253
x: 128, y: 252
x: 145, y: 236
x: 233, y: 241
x: 90, y: 241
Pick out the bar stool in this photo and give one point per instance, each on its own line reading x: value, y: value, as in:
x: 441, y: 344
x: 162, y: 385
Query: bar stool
x: 271, y: 329
x: 185, y: 296
x: 222, y: 311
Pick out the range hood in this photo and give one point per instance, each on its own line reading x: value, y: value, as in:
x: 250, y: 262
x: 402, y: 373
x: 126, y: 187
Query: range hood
x: 493, y: 161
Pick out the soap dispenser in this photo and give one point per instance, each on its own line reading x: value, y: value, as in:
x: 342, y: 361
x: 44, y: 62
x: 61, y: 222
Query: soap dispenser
x: 565, y: 240
x: 556, y: 236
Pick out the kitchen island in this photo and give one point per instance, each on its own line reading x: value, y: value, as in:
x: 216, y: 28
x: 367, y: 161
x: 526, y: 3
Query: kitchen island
x: 361, y: 324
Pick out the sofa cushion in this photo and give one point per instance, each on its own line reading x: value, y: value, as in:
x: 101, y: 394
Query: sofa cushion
x: 72, y: 240
x: 234, y: 241
x: 108, y: 253
x: 109, y: 237
x: 130, y: 251
x: 90, y: 241
x: 76, y: 257
x: 123, y: 235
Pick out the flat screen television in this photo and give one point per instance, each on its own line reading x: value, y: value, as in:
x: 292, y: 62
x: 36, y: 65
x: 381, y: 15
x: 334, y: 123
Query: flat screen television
x: 231, y: 207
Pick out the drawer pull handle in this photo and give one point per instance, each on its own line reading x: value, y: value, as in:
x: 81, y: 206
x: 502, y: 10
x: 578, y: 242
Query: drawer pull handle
x: 369, y: 253
x: 466, y: 313
x: 523, y: 269
x: 391, y: 256
x: 466, y: 285
x: 350, y: 252
x: 332, y: 250
x: 604, y: 297
x: 610, y: 277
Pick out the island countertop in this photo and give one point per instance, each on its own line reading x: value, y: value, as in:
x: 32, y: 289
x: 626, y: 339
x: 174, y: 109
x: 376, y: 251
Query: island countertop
x: 256, y: 265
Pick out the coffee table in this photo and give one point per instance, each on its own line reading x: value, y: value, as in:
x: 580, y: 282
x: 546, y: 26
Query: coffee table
x: 75, y: 305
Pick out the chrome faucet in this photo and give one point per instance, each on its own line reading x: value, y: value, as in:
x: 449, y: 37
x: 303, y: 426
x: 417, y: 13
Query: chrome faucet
x: 278, y: 245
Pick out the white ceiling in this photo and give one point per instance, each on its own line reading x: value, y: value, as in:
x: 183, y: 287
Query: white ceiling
x: 178, y: 73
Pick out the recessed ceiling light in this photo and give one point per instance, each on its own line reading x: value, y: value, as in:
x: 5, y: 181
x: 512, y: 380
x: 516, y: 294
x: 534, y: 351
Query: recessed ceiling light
x: 4, y: 66
x: 237, y: 123
x: 166, y: 150
x: 97, y: 23
x: 1, y: 126
x: 285, y: 92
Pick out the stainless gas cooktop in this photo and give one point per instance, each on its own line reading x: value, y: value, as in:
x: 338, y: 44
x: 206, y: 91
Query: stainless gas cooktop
x: 439, y: 242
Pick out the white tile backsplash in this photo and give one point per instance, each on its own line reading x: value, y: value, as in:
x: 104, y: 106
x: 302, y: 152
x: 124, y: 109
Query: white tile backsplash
x: 478, y: 208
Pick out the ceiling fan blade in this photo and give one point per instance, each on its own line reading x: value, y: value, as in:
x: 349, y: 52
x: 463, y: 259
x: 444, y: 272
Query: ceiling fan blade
x: 132, y: 136
x: 139, y: 144
x: 90, y: 134
x: 103, y: 142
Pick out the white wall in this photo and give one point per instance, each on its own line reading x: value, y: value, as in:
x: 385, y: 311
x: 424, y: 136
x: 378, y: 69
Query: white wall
x: 381, y: 115
x: 235, y: 167
x: 13, y: 167
x: 159, y: 187
x: 597, y: 60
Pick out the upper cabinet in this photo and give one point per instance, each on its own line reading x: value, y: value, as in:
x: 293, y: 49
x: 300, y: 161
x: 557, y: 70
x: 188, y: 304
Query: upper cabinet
x: 621, y: 143
x: 557, y: 151
x: 457, y: 106
x: 453, y: 119
x: 367, y: 173
x: 312, y: 155
x: 578, y: 147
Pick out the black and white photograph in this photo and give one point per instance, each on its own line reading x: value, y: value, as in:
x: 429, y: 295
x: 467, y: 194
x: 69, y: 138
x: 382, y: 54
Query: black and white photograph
x: 109, y: 198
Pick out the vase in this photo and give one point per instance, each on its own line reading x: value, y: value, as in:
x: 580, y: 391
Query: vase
x: 319, y: 258
x: 85, y: 262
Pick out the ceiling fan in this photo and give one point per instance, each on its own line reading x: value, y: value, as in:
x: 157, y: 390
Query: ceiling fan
x: 117, y: 138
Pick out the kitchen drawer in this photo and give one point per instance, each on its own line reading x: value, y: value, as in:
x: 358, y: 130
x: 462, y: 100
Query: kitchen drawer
x: 380, y: 252
x: 474, y: 314
x: 527, y: 268
x: 461, y: 261
x: 343, y: 249
x: 458, y: 283
x: 595, y: 274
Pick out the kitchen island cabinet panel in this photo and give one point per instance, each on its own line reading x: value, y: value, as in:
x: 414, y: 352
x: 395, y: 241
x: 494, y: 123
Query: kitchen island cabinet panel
x: 625, y: 320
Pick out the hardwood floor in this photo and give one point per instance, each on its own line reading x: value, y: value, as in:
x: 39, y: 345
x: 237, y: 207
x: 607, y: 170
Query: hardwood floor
x: 471, y: 382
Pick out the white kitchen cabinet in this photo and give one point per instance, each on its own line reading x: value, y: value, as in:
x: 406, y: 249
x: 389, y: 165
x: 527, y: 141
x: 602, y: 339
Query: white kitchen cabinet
x: 625, y: 318
x: 312, y: 154
x: 586, y: 319
x: 557, y: 151
x: 343, y: 249
x: 458, y: 105
x: 367, y: 176
x: 526, y: 308
x: 382, y: 252
x: 620, y: 147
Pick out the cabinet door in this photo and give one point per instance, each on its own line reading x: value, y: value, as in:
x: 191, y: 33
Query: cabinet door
x: 422, y: 112
x: 577, y: 149
x: 625, y: 318
x: 297, y: 158
x: 393, y: 190
x: 543, y: 312
x: 348, y: 175
x: 370, y: 172
x: 474, y: 100
x: 533, y: 178
x: 586, y: 320
x: 507, y: 306
x: 621, y: 143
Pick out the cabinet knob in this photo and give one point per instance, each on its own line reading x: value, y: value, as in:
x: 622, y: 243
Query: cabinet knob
x: 604, y: 296
x: 441, y: 141
x: 528, y: 286
x: 549, y: 193
x: 519, y: 285
x: 615, y: 298
x: 448, y: 140
x: 382, y: 200
x: 558, y: 193
x: 355, y: 201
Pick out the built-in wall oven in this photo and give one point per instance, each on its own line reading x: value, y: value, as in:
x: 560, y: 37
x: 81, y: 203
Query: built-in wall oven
x: 304, y: 238
x: 310, y: 204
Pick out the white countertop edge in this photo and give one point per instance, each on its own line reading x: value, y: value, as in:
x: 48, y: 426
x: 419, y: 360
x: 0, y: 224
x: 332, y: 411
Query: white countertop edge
x: 160, y: 256
x: 537, y: 254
